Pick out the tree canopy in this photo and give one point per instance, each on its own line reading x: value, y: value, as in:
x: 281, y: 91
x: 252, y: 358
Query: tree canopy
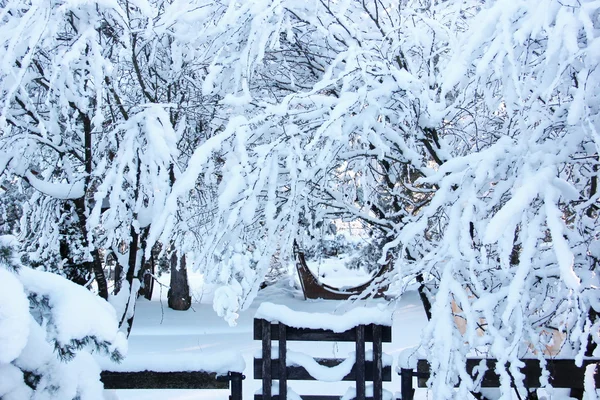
x: 462, y: 134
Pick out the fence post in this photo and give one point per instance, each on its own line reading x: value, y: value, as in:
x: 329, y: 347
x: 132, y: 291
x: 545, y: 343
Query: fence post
x: 359, y: 365
x: 406, y: 384
x: 236, y: 385
x: 266, y: 359
x: 377, y: 363
x: 282, y: 362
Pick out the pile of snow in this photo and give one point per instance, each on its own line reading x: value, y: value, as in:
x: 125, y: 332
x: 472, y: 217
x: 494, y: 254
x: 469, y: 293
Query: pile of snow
x: 49, y: 327
x: 329, y: 374
x: 163, y: 361
x: 336, y: 323
x: 408, y: 358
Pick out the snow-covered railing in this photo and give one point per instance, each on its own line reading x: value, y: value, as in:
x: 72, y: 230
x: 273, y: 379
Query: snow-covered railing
x: 222, y: 370
x: 563, y: 374
x: 361, y: 325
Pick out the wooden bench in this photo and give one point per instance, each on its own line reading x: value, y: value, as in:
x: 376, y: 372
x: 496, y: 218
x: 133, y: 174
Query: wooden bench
x: 174, y: 380
x: 563, y: 374
x: 268, y: 368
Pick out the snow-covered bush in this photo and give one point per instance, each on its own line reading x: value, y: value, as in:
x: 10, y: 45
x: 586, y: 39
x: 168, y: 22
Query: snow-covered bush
x: 49, y: 330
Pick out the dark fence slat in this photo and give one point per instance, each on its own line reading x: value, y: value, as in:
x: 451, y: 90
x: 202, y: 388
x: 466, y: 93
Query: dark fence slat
x: 236, y: 385
x: 266, y: 359
x: 282, y: 361
x: 297, y: 373
x: 378, y: 362
x: 406, y: 384
x: 423, y: 373
x: 360, y: 362
x: 320, y: 335
x: 163, y: 380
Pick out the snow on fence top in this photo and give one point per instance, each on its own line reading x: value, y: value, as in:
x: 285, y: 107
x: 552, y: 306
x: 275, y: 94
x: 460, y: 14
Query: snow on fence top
x: 336, y: 323
x: 408, y: 358
x: 219, y: 362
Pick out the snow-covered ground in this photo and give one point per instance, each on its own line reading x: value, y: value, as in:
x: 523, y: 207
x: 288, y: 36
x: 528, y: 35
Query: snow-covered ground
x: 163, y: 336
x: 168, y: 340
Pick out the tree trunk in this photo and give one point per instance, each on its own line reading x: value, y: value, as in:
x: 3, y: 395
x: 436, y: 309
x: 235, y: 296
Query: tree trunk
x: 146, y: 276
x: 96, y: 264
x: 138, y: 243
x: 423, y: 295
x: 179, y: 293
x: 118, y: 277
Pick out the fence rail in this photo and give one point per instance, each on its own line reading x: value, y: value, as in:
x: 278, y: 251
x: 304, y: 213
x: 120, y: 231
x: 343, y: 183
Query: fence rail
x: 563, y: 374
x: 174, y: 380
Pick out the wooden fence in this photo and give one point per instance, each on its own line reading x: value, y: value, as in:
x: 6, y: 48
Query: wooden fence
x: 174, y: 380
x: 563, y: 374
x: 268, y: 368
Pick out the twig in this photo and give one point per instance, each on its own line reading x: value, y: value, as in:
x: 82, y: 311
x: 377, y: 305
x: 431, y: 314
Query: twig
x: 162, y: 310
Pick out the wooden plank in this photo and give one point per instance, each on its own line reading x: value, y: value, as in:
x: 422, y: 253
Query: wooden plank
x: 563, y: 373
x: 320, y: 335
x: 266, y: 357
x: 236, y: 385
x: 282, y: 362
x: 297, y: 373
x: 423, y: 373
x: 378, y: 363
x: 163, y: 380
x: 406, y: 384
x: 360, y: 363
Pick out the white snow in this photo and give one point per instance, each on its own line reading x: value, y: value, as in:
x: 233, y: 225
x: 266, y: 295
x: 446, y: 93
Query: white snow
x: 333, y: 272
x: 163, y: 336
x: 41, y: 313
x: 59, y: 190
x: 9, y: 376
x: 492, y: 103
x: 72, y: 304
x: 351, y: 393
x: 14, y: 317
x: 589, y: 383
x: 337, y: 323
x: 407, y: 359
x: 220, y: 362
x: 329, y: 374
